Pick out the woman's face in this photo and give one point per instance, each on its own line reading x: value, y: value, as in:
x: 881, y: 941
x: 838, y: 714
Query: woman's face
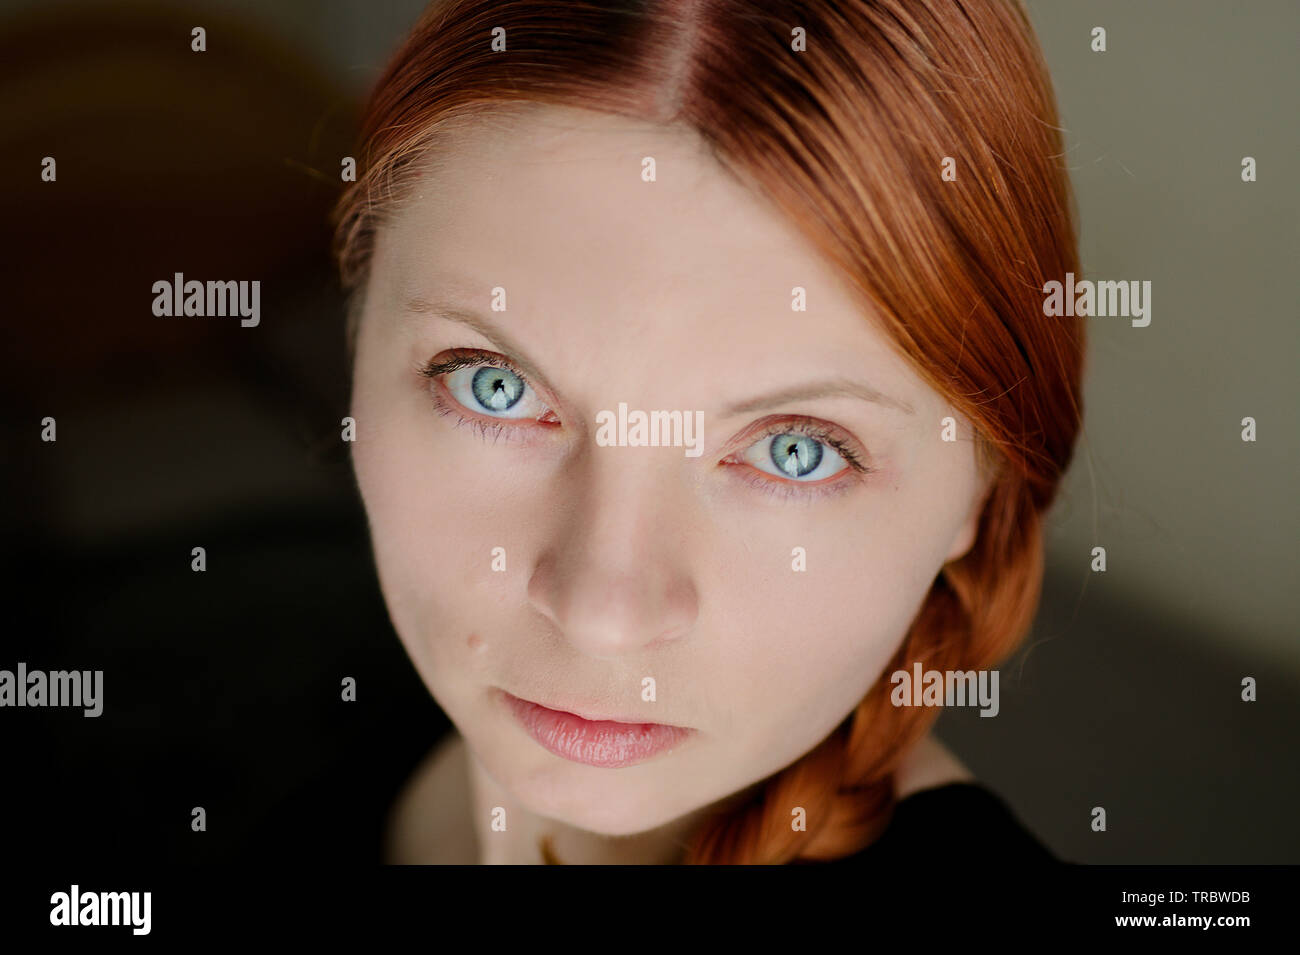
x: 751, y: 571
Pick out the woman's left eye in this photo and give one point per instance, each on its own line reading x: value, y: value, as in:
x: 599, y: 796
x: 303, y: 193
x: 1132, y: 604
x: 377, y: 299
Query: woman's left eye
x: 798, y: 457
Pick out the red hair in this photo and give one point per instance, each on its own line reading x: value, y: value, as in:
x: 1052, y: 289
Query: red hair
x: 848, y: 138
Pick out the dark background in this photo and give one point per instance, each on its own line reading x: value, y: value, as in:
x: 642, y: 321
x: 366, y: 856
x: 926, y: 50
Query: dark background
x: 222, y: 689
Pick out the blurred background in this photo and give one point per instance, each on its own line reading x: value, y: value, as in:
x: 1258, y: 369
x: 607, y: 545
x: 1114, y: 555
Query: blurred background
x: 222, y: 688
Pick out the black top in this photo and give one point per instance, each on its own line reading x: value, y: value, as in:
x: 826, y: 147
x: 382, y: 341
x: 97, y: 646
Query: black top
x: 964, y: 818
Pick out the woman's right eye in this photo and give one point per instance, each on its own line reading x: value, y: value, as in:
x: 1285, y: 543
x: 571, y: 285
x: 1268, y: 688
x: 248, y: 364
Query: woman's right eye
x: 487, y: 385
x: 494, y: 391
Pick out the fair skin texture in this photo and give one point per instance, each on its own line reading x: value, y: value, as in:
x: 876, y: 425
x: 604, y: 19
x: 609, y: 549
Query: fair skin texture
x: 630, y: 562
x: 447, y: 836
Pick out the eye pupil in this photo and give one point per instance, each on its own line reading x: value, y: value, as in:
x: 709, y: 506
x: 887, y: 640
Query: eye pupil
x: 796, y: 454
x: 496, y: 388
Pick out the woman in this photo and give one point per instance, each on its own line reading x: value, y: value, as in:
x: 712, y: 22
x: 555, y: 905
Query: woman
x: 702, y: 386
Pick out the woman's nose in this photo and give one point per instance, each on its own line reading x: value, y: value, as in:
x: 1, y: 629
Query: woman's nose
x: 614, y: 577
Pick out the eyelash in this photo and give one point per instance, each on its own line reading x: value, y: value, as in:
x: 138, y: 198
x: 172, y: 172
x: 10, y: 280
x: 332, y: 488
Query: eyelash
x: 785, y: 490
x: 465, y: 358
x: 468, y: 358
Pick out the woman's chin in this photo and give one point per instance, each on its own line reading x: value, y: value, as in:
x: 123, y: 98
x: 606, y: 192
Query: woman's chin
x: 608, y: 802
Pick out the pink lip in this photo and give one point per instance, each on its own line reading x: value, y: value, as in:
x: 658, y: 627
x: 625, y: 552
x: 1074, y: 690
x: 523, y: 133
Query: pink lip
x: 608, y: 744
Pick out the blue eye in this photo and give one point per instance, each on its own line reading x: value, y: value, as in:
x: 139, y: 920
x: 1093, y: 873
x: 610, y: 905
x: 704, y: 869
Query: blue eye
x: 496, y: 389
x: 798, y: 457
x: 493, y: 390
x: 795, y: 454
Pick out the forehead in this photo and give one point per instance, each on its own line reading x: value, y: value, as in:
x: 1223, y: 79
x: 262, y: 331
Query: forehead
x: 572, y: 189
x: 556, y: 205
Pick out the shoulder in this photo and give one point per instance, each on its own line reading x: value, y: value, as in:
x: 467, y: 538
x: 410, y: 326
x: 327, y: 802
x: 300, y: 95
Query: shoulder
x: 941, y: 806
x: 428, y: 822
x: 965, y: 814
x: 965, y: 817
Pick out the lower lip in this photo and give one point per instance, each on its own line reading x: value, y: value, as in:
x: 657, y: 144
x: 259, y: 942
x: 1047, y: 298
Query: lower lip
x: 602, y: 743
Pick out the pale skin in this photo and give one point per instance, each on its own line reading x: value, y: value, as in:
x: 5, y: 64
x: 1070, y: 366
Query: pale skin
x: 448, y: 836
x: 623, y: 563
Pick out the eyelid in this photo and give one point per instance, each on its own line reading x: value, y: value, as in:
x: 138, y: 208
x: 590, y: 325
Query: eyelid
x: 801, y: 490
x: 469, y: 358
x: 436, y: 369
x: 831, y: 435
x: 463, y: 357
x: 852, y: 476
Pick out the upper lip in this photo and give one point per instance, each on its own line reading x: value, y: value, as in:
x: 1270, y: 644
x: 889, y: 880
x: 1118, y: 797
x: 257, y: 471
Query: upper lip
x: 592, y: 715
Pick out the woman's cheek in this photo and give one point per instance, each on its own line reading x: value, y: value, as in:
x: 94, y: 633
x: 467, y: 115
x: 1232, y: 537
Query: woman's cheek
x: 438, y: 530
x: 406, y: 503
x: 805, y: 617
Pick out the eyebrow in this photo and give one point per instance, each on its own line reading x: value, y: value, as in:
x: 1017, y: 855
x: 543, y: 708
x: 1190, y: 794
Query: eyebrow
x: 823, y: 388
x: 480, y: 324
x: 833, y: 388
